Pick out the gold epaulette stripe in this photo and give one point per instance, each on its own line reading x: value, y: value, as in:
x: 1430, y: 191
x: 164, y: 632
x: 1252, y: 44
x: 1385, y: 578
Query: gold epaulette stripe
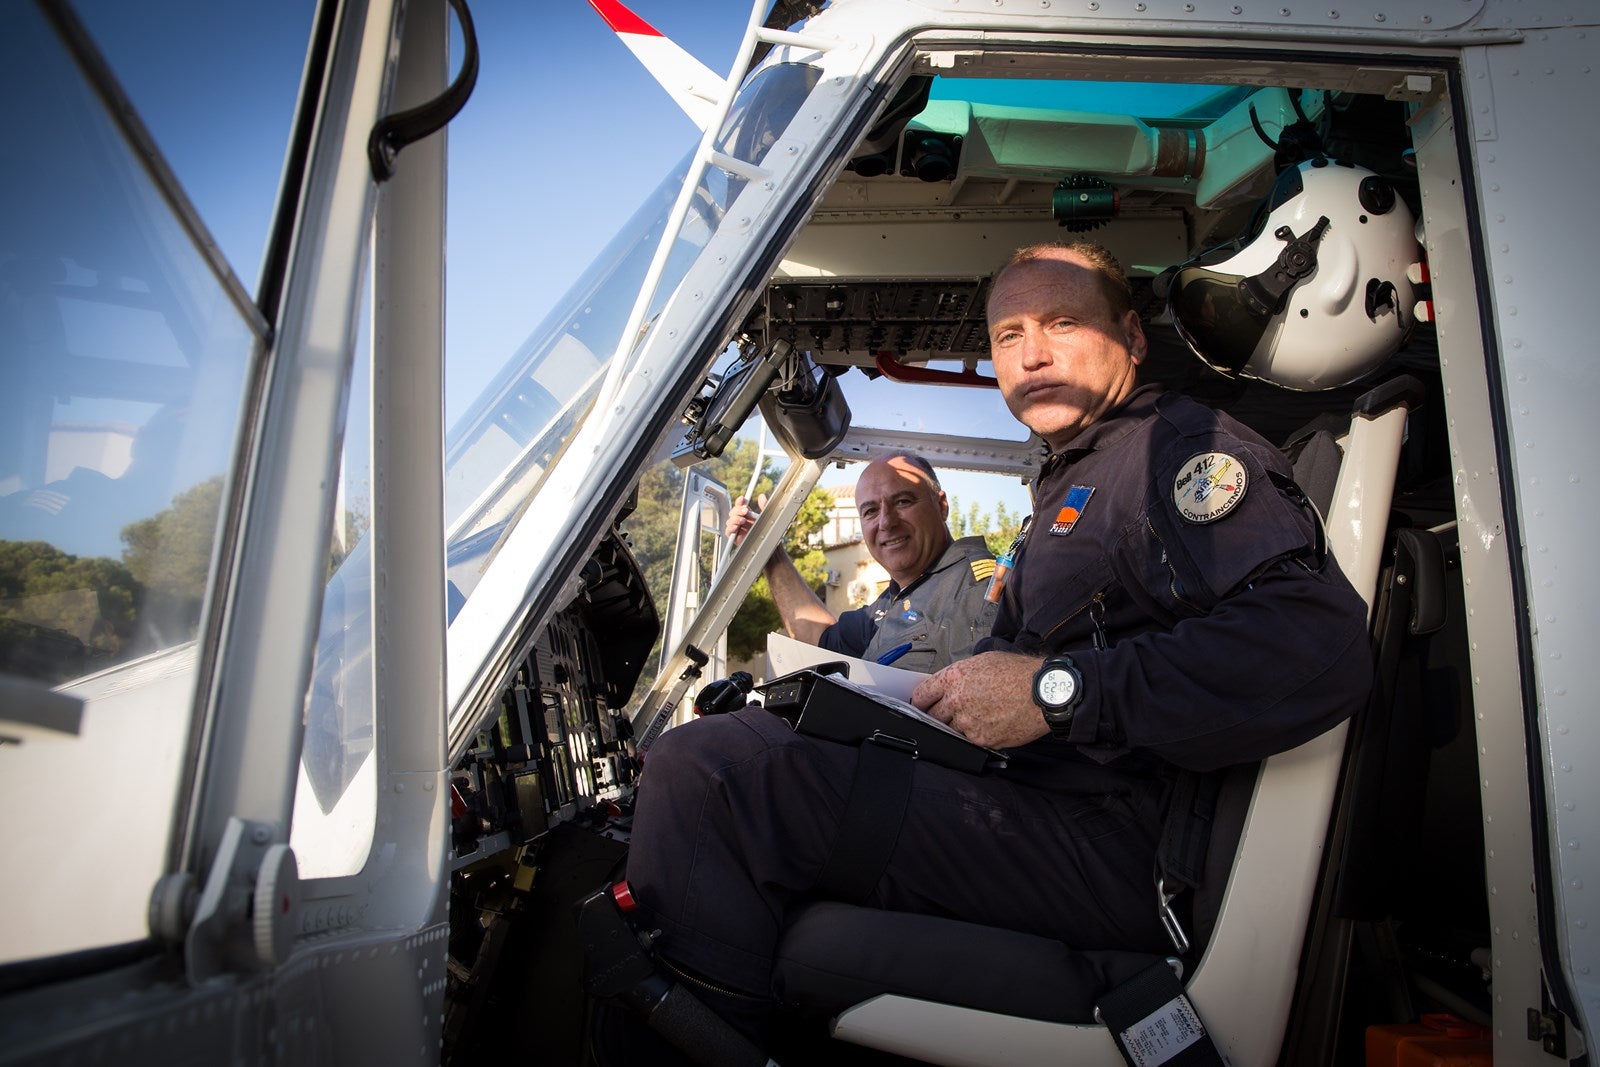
x: 982, y: 570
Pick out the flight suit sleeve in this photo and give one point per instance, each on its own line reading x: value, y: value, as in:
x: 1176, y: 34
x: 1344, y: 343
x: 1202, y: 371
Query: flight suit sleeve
x: 850, y: 634
x: 1270, y: 648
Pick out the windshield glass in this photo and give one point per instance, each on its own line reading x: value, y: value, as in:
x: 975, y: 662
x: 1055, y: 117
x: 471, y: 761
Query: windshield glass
x: 125, y: 356
x: 498, y: 454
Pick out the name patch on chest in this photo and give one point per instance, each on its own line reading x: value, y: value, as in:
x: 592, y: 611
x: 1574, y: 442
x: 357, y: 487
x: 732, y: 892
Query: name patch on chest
x: 1208, y: 486
x: 1071, y: 509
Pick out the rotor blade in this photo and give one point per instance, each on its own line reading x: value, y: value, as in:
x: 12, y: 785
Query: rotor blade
x: 691, y: 83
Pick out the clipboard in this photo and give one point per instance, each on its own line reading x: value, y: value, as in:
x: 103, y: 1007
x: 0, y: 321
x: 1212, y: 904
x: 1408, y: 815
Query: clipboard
x: 833, y: 708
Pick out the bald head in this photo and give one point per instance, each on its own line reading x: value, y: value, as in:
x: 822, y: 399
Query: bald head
x: 903, y: 514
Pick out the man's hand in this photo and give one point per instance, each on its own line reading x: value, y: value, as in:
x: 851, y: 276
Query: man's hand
x: 743, y: 517
x: 989, y: 698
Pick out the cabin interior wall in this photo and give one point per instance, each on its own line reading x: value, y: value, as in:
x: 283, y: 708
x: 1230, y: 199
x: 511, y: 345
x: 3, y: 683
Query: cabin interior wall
x: 1417, y: 928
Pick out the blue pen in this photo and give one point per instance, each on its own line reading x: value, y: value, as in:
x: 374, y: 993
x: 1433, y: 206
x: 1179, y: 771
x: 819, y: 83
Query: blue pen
x: 895, y: 653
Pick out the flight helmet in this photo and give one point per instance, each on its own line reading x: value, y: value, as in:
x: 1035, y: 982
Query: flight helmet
x: 1316, y: 295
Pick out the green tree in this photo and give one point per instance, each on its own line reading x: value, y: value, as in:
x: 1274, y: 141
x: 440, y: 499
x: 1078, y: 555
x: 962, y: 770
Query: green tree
x: 170, y: 552
x: 756, y: 618
x: 652, y: 531
x: 1007, y: 524
x: 62, y: 616
x: 353, y: 524
x: 997, y: 530
x: 758, y: 615
x: 808, y: 524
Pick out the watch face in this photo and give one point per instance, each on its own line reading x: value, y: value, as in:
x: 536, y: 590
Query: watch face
x: 1057, y: 687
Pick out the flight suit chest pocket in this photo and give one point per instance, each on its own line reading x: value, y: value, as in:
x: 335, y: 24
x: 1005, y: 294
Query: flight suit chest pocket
x: 1059, y: 593
x: 903, y: 625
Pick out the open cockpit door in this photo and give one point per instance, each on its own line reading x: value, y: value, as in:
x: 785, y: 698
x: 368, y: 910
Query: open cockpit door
x: 132, y: 361
x: 170, y: 467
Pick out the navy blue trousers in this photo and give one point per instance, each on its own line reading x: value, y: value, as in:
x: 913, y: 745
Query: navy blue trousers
x: 736, y: 815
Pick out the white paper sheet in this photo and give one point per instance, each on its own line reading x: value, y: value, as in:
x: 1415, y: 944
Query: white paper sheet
x: 785, y: 654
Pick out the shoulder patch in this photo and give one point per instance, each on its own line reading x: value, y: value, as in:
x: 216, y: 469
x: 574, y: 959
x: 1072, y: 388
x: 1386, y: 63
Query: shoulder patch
x: 982, y: 570
x: 1208, y: 486
x: 1071, y: 510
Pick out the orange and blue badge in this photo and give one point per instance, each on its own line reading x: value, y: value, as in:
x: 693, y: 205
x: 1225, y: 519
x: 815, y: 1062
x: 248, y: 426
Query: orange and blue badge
x: 1071, y: 509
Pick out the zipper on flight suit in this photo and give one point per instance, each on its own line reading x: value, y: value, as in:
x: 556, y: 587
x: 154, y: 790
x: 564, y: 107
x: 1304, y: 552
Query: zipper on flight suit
x: 1096, y: 607
x: 696, y: 981
x: 1172, y: 573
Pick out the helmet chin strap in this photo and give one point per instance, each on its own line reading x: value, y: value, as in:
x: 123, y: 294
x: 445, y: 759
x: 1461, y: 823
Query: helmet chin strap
x: 1265, y: 294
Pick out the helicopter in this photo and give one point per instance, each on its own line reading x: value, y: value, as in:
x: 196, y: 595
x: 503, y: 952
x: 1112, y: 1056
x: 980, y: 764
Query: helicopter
x: 353, y: 772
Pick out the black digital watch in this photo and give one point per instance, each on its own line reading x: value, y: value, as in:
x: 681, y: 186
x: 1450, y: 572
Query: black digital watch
x: 1058, y: 690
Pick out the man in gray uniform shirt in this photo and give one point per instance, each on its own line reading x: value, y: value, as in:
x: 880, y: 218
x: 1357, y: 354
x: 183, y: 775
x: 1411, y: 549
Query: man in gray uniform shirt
x: 935, y: 599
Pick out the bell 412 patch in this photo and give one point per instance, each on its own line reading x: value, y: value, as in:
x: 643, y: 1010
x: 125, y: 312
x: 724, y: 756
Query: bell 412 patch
x: 1071, y: 509
x: 1208, y: 486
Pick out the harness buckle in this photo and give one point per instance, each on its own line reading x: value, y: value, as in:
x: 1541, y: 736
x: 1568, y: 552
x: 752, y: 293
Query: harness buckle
x: 1169, y: 919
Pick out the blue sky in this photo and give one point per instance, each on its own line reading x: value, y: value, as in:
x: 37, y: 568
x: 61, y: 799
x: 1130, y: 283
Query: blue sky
x: 588, y: 161
x: 564, y: 136
x: 567, y: 133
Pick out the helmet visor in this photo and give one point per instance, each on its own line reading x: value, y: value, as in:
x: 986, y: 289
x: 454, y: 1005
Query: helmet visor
x: 1213, y: 319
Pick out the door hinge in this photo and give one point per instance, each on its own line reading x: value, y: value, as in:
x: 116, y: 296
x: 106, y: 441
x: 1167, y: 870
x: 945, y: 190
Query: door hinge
x: 1549, y: 1028
x: 246, y: 916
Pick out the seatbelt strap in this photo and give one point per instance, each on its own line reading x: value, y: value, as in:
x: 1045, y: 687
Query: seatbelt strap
x: 1154, y: 1023
x: 1186, y: 831
x: 870, y: 823
x: 1181, y: 853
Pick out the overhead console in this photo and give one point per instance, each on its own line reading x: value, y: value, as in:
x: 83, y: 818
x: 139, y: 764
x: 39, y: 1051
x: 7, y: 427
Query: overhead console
x: 852, y: 322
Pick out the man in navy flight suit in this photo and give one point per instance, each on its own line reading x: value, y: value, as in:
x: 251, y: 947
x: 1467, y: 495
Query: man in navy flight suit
x: 1170, y: 609
x: 935, y: 601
